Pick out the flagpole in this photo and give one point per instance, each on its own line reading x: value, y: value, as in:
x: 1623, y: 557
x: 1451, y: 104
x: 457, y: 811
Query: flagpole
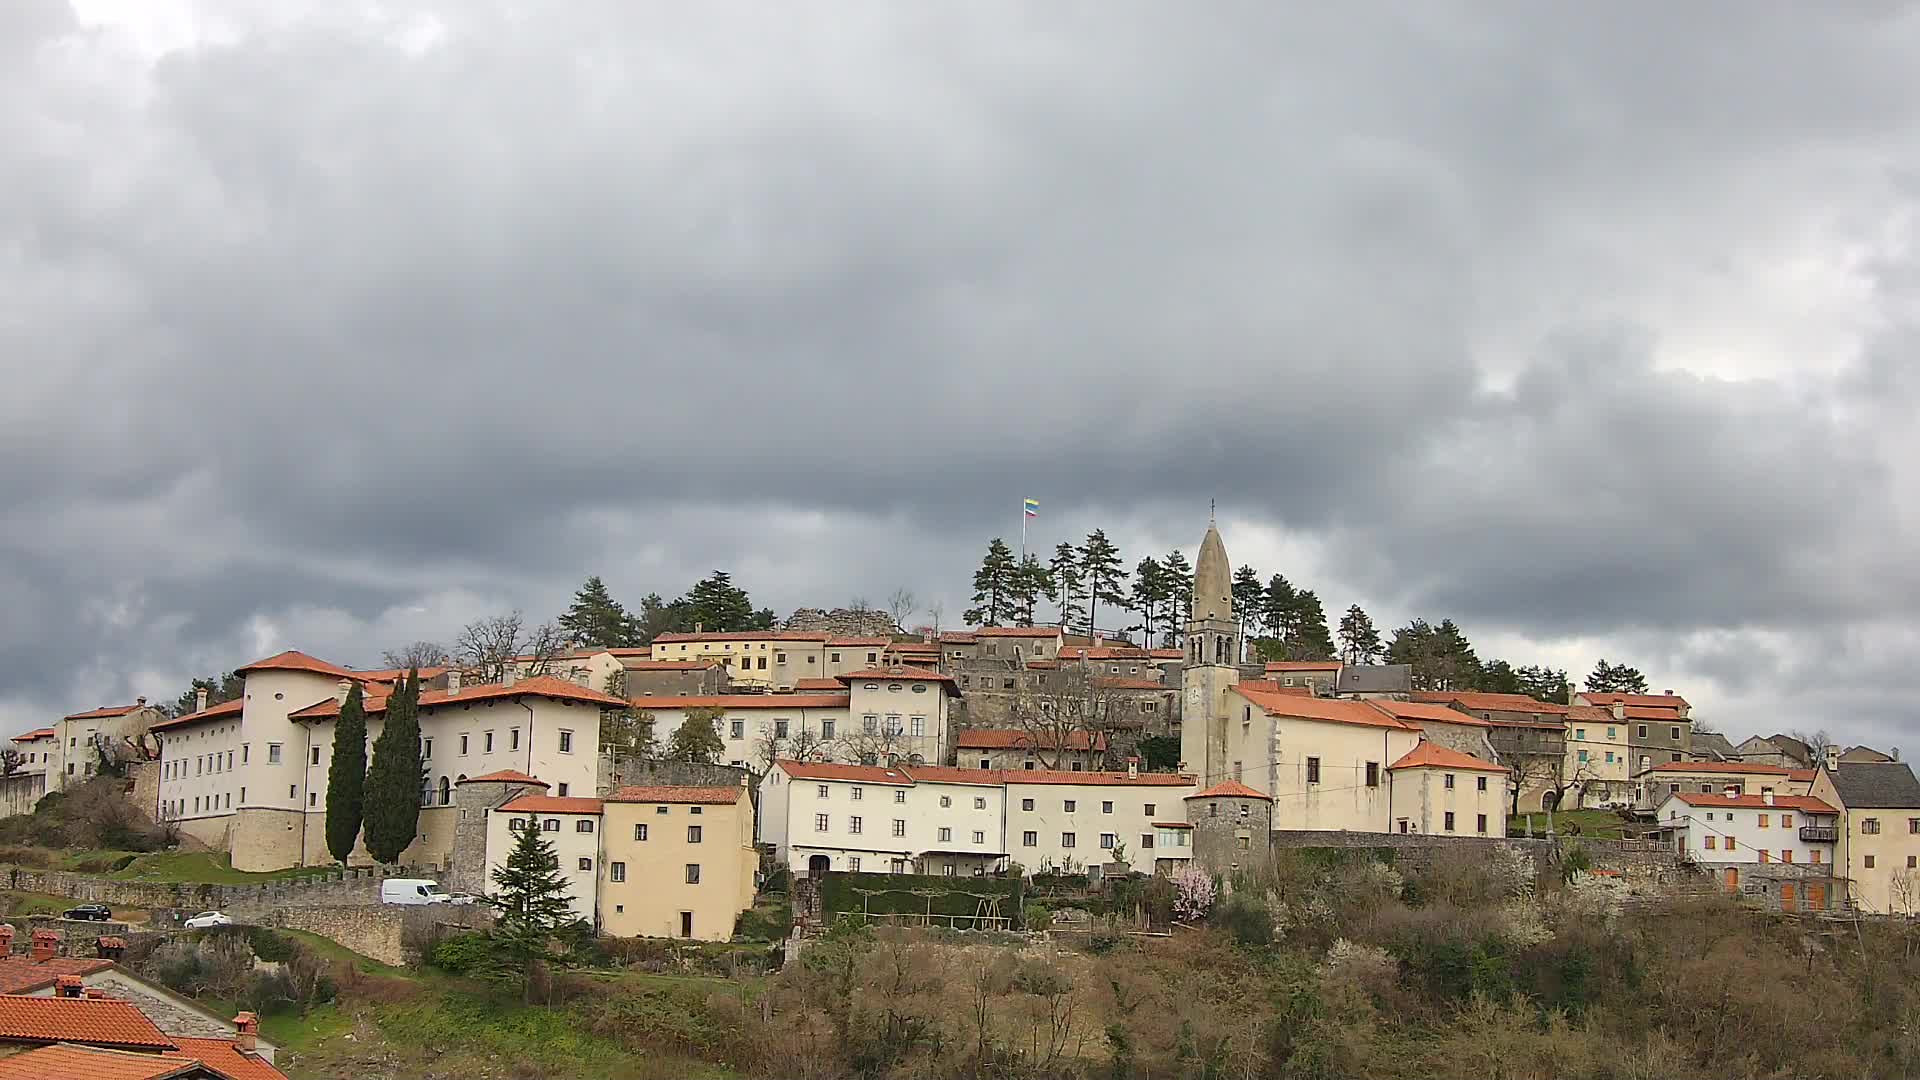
x: 1023, y: 532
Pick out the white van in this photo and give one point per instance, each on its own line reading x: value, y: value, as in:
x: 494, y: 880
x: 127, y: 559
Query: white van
x: 412, y: 891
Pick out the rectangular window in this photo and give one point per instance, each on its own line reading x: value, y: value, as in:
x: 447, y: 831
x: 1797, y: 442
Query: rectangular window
x: 563, y: 789
x: 1580, y: 734
x: 919, y: 726
x: 1373, y: 774
x: 1107, y: 840
x: 1106, y: 807
x: 1481, y: 783
x: 826, y: 730
x: 1581, y: 755
x: 693, y: 834
x: 1711, y: 841
x: 1029, y: 839
x: 1148, y: 810
x: 1763, y: 821
x: 273, y: 753
x: 313, y: 798
x: 1869, y: 862
x: 640, y: 831
x: 1481, y: 823
x: 946, y: 801
x: 899, y: 827
x: 1913, y: 824
x: 1026, y: 804
x: 819, y: 823
x: 617, y: 871
x: 979, y: 836
x: 1066, y: 839
x: 290, y: 791
x: 899, y: 796
x: 780, y: 729
x: 426, y: 748
x: 1069, y: 804
x: 551, y: 824
x: 853, y: 863
x: 821, y: 791
x: 566, y: 742
x: 1814, y: 856
x: 1870, y: 826
x: 1786, y: 821
x: 584, y: 825
x: 1449, y: 782
x: 1786, y: 854
x: 946, y: 835
x: 693, y: 878
x: 854, y: 825
x: 870, y: 724
x: 659, y: 809
x: 513, y: 738
x: 856, y: 794
x: 229, y: 759
x: 486, y: 742
x: 763, y: 663
x: 1146, y: 841
x: 1643, y: 731
x: 1313, y: 770
x: 736, y: 729
x: 586, y: 863
x: 1449, y: 822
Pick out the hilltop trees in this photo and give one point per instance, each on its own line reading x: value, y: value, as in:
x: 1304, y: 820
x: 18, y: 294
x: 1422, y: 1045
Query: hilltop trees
x: 595, y: 618
x: 1441, y: 656
x: 1359, y: 641
x: 1063, y: 574
x: 1104, y: 574
x: 347, y: 776
x: 1616, y: 679
x: 530, y: 895
x: 226, y: 687
x: 1031, y: 581
x: 697, y: 739
x: 394, y: 782
x: 1151, y: 595
x: 993, y: 586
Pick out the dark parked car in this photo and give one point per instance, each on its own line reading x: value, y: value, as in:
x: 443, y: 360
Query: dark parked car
x: 96, y: 912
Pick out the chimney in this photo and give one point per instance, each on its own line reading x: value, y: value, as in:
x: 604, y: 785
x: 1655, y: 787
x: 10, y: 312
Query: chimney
x: 1669, y: 693
x: 1767, y: 796
x: 246, y: 1032
x: 6, y: 938
x: 46, y: 945
x: 95, y: 994
x: 340, y: 691
x: 1133, y: 768
x: 140, y: 702
x: 510, y: 674
x: 1731, y: 791
x: 453, y: 681
x: 1619, y: 710
x: 68, y: 986
x: 1833, y: 757
x: 699, y: 628
x: 200, y: 700
x: 110, y: 947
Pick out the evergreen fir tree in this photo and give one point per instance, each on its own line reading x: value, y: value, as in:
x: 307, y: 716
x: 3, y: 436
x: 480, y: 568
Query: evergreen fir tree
x: 1064, y: 572
x: 393, y: 782
x: 596, y: 619
x: 1150, y: 594
x: 1281, y: 604
x: 717, y: 605
x: 530, y: 895
x: 1310, y: 638
x: 1249, y: 599
x: 1359, y: 641
x: 1105, y: 577
x: 1179, y: 576
x: 1616, y: 679
x: 697, y: 738
x: 1543, y: 683
x: 347, y: 776
x: 993, y: 586
x: 1031, y: 581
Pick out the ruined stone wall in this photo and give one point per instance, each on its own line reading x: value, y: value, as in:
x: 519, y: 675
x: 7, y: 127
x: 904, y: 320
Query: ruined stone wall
x: 20, y: 791
x: 842, y: 622
x: 330, y: 888
x: 389, y: 934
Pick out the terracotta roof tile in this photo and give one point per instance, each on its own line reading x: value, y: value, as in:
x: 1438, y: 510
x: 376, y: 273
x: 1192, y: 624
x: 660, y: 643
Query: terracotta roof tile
x: 1804, y: 776
x: 552, y: 804
x: 1749, y: 767
x: 743, y: 701
x: 1433, y: 755
x: 745, y: 635
x: 223, y: 1056
x: 1230, y: 789
x: 1099, y: 779
x: 21, y: 974
x: 706, y: 796
x: 94, y: 1021
x: 943, y: 774
x: 828, y: 770
x: 1330, y: 710
x: 1422, y: 710
x: 36, y: 733
x: 1804, y: 803
x: 223, y: 711
x: 67, y: 1062
x: 641, y: 664
x: 1304, y: 665
x: 1485, y: 702
x: 1167, y: 654
x: 1018, y: 631
x: 1016, y: 739
x: 859, y: 642
x: 104, y: 712
x: 1104, y: 652
x: 546, y: 686
x: 804, y: 685
x: 504, y: 776
x: 1656, y: 701
x: 295, y: 660
x: 897, y: 671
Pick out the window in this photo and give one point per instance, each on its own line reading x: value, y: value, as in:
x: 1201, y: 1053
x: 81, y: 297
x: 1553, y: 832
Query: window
x: 586, y: 863
x: 780, y: 729
x: 584, y: 825
x: 980, y: 802
x: 853, y: 825
x: 1026, y: 804
x: 894, y: 727
x: 737, y: 729
x: 856, y: 794
x: 1313, y: 770
x: 1148, y: 810
x: 826, y: 729
x: 1869, y: 862
x: 1449, y: 782
x: 762, y: 665
x: 1070, y: 804
x: 853, y: 863
x: 566, y: 742
x: 426, y: 748
x: 1710, y: 842
x: 1580, y: 754
x: 1480, y: 783
x: 315, y: 761
x: 1449, y: 821
x: 821, y: 791
x: 979, y: 836
x: 1911, y: 861
x: 1913, y: 824
x: 1763, y: 821
x: 1029, y: 839
x: 290, y: 793
x: 1107, y: 840
x: 1870, y: 826
x: 1643, y: 731
x: 819, y: 823
x: 273, y: 753
x: 617, y: 871
x: 552, y: 824
x: 693, y: 878
x: 693, y: 834
x: 563, y: 789
x: 946, y: 801
x: 463, y: 746
x: 1786, y: 854
x: 486, y: 742
x: 1786, y: 821
x: 513, y: 738
x: 1814, y: 856
x: 946, y: 835
x: 1480, y: 823
x: 1066, y: 839
x: 1373, y: 774
x: 659, y: 809
x: 1106, y: 807
x: 899, y: 826
x: 899, y: 796
x: 640, y: 831
x: 918, y: 726
x: 870, y: 724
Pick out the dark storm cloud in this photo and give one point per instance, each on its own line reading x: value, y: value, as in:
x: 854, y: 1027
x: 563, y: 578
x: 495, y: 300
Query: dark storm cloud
x: 346, y: 325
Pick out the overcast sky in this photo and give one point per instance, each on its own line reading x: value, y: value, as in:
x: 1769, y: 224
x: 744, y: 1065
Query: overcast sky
x: 1592, y: 327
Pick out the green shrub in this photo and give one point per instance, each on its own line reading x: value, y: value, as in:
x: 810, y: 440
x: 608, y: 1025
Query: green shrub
x: 463, y: 954
x: 1247, y: 920
x: 764, y: 923
x: 270, y: 946
x: 1576, y: 859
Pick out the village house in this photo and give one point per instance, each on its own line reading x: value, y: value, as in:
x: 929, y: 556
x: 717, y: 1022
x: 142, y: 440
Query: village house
x: 1652, y: 787
x: 75, y: 742
x: 1013, y: 748
x: 1320, y: 676
x: 822, y: 816
x: 80, y: 1032
x: 774, y: 659
x: 1530, y: 736
x: 1599, y: 760
x: 1877, y: 846
x: 1781, y: 846
x: 1060, y: 820
x: 572, y: 825
x: 1444, y: 792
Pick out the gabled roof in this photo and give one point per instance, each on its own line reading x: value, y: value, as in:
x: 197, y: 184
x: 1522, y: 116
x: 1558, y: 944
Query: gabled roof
x: 828, y: 685
x: 1230, y: 789
x: 104, y: 712
x: 225, y: 1058
x: 1729, y: 767
x: 21, y: 974
x: 543, y: 686
x: 945, y: 774
x: 1096, y: 779
x: 1431, y: 755
x: 860, y: 642
x: 1484, y: 702
x: 224, y: 710
x: 732, y: 702
x: 1804, y: 776
x: 1655, y: 701
x: 902, y: 673
x: 1871, y: 784
x: 93, y: 1021
x: 1303, y: 665
x: 36, y: 733
x: 69, y: 1062
x: 295, y: 660
x: 745, y: 635
x: 504, y: 776
x: 640, y: 663
x: 830, y: 770
x: 1017, y: 739
x: 552, y: 804
x: 1803, y: 803
x: 704, y: 796
x: 1423, y: 710
x: 1329, y: 710
x: 1590, y: 714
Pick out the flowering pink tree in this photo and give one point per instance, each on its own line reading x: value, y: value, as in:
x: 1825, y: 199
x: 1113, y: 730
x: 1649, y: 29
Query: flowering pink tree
x: 1193, y: 894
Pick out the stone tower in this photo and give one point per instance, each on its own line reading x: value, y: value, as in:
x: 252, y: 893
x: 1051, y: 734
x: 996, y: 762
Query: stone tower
x: 1213, y: 653
x: 1232, y: 824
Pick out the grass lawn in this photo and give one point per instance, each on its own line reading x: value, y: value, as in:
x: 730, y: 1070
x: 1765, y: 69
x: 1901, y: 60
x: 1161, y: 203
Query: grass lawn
x: 1599, y: 824
x: 28, y: 903
x: 200, y: 867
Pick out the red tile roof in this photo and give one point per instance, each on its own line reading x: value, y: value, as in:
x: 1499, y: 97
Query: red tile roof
x: 544, y: 686
x: 1104, y: 652
x: 1433, y: 755
x: 67, y: 1062
x: 1592, y: 714
x: 1751, y: 767
x: 1018, y: 631
x: 1119, y: 683
x: 295, y: 660
x: 829, y: 770
x: 104, y: 712
x: 1802, y: 775
x: 504, y: 776
x: 1803, y: 803
x: 1167, y: 654
x: 942, y: 774
x: 553, y: 804
x: 1421, y: 710
x: 1665, y: 716
x: 746, y: 635
x: 1230, y: 789
x: 396, y: 674
x: 1304, y: 665
x: 1016, y: 739
x: 1484, y: 702
x: 223, y: 1056
x: 897, y: 671
x: 744, y: 701
x: 1101, y: 779
x: 94, y: 1021
x: 21, y: 974
x: 860, y: 642
x: 706, y: 796
x: 1656, y: 701
x: 221, y: 711
x: 36, y: 733
x: 1330, y: 710
x: 637, y: 664
x: 802, y: 685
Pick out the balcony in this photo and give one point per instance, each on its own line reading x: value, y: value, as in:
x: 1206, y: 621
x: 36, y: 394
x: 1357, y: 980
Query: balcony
x: 1819, y: 834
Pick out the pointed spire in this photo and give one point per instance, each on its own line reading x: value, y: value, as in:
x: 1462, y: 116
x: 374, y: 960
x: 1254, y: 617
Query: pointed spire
x: 1212, y: 578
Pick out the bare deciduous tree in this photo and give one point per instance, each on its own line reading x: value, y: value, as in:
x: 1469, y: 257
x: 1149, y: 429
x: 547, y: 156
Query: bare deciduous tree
x: 901, y: 606
x: 769, y: 746
x: 11, y: 761
x: 1059, y: 709
x: 417, y: 654
x: 1817, y: 743
x: 487, y: 647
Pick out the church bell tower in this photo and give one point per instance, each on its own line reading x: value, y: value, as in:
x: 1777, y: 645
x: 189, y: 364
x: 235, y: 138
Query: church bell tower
x: 1211, y: 664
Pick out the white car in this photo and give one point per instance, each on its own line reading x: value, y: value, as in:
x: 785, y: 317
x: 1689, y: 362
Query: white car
x: 208, y: 919
x: 462, y: 898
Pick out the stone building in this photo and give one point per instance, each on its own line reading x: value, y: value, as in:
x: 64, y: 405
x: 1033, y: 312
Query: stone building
x: 1232, y: 824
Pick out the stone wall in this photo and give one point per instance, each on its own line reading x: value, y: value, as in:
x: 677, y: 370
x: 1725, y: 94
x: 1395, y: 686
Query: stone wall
x: 1417, y: 851
x: 383, y: 932
x: 332, y: 888
x: 20, y: 791
x: 472, y: 801
x: 143, y: 778
x: 843, y: 622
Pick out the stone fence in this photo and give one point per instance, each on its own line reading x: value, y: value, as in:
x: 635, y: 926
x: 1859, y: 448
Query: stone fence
x: 1416, y: 851
x: 324, y: 889
x: 390, y: 934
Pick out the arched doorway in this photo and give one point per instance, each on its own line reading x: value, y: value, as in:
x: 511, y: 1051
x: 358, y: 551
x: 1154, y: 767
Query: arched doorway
x: 818, y: 866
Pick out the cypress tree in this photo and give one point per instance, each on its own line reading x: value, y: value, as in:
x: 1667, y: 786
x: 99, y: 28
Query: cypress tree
x: 393, y: 783
x: 347, y: 777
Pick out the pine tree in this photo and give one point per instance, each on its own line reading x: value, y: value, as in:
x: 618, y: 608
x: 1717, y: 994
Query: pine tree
x: 993, y: 586
x: 226, y: 688
x: 1543, y: 683
x: 1149, y: 593
x: 697, y: 738
x: 393, y: 782
x: 1249, y: 599
x: 1104, y: 575
x: 347, y: 776
x: 1441, y: 657
x: 1281, y: 602
x: 717, y: 605
x: 1179, y: 575
x: 1310, y: 638
x: 531, y: 897
x: 597, y: 619
x: 1616, y: 679
x: 1359, y: 641
x: 1031, y: 581
x: 1064, y: 571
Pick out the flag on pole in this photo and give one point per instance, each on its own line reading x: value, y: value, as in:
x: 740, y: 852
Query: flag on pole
x: 1032, y: 507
